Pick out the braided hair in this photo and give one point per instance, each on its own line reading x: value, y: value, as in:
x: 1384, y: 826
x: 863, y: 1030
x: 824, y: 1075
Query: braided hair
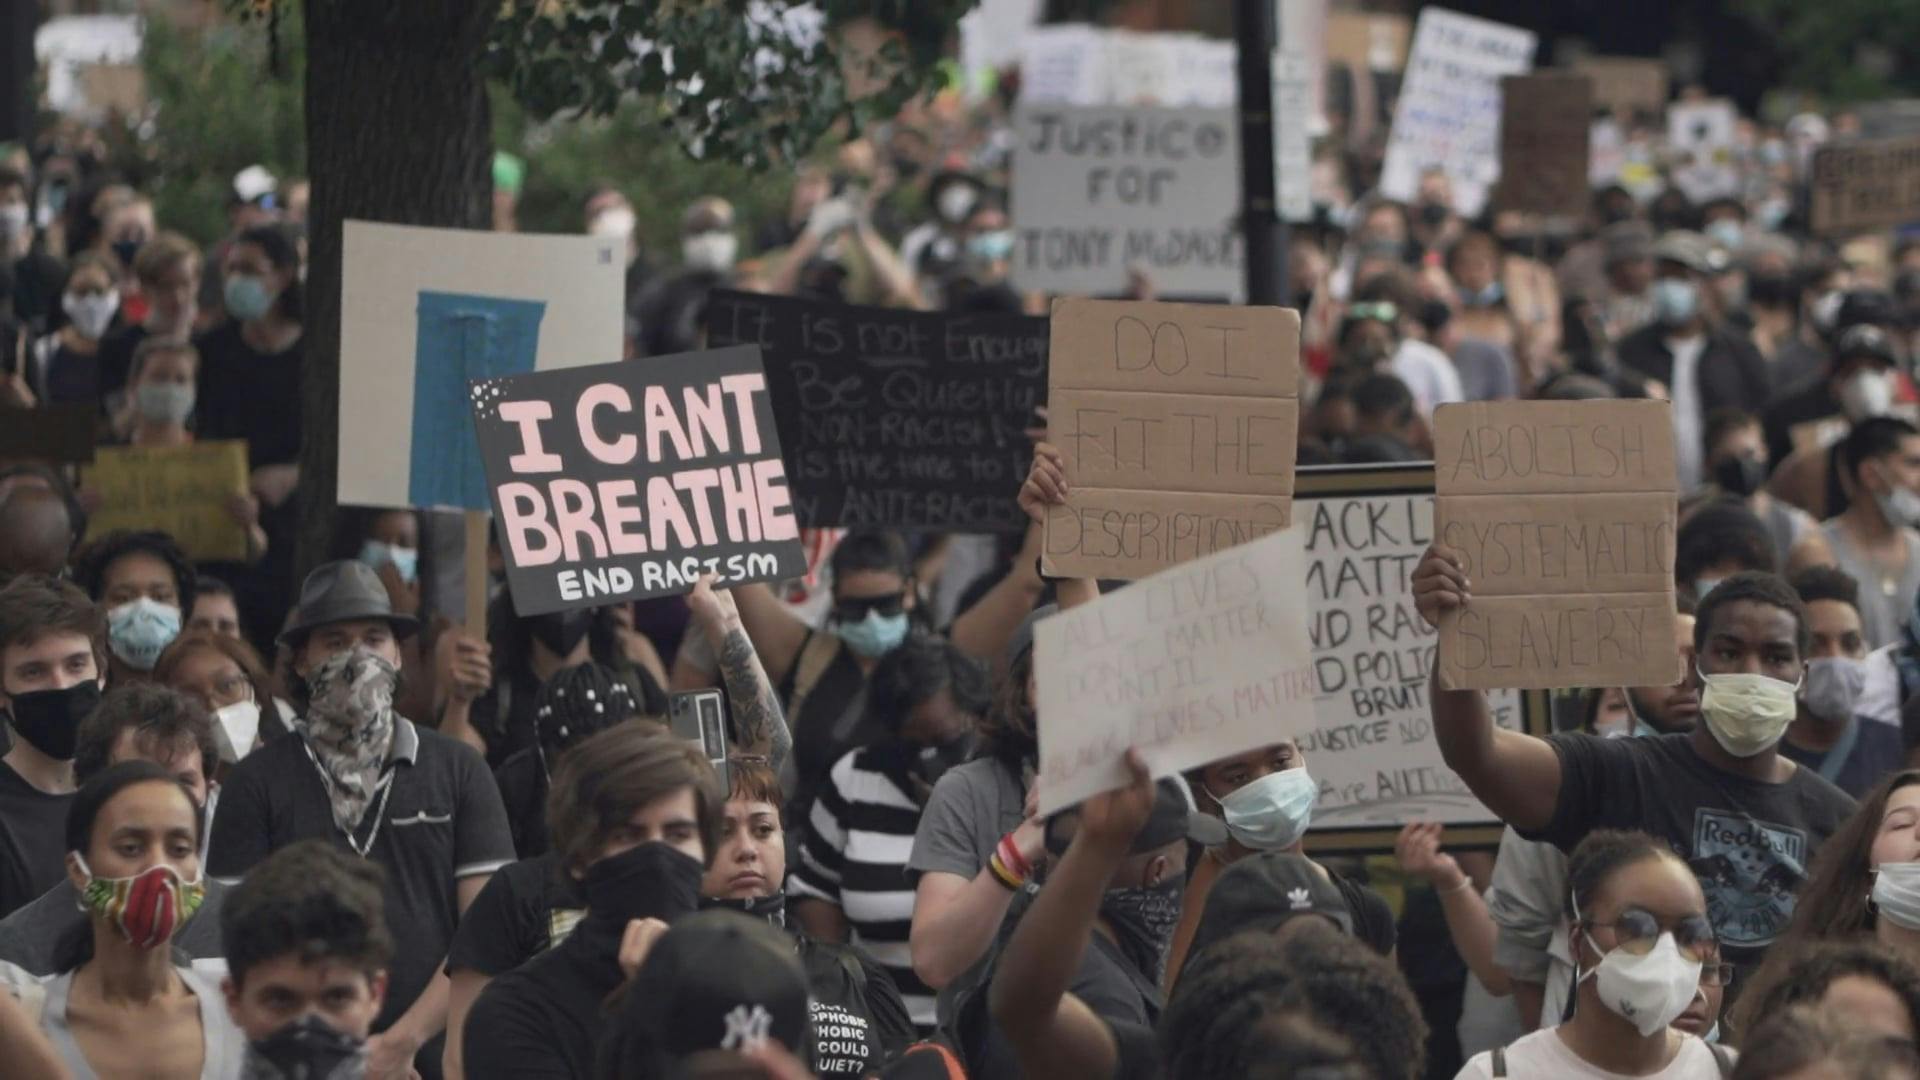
x: 577, y: 702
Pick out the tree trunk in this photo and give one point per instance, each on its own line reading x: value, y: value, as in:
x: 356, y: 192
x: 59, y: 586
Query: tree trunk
x: 398, y: 130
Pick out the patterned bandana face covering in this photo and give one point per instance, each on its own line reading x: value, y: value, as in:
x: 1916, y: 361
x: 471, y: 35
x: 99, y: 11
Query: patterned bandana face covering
x: 349, y: 729
x: 147, y: 908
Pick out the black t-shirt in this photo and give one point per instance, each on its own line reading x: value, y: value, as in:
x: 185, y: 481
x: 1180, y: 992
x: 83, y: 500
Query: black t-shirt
x: 1107, y: 983
x: 442, y: 821
x: 1750, y: 843
x: 542, y: 1020
x: 1878, y: 749
x: 250, y: 395
x: 525, y: 909
x: 1372, y: 917
x: 33, y: 830
x: 859, y: 1020
x: 504, y: 714
x: 523, y: 788
x: 116, y: 356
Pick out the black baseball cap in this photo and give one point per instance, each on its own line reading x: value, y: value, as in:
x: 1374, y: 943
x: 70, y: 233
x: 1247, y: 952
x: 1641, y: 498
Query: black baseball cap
x: 1172, y: 804
x: 1262, y: 892
x: 715, y: 981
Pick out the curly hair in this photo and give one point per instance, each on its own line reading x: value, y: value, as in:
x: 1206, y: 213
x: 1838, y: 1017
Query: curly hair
x: 310, y: 900
x: 1804, y: 1038
x: 917, y: 672
x: 91, y: 564
x: 1800, y: 974
x: 1599, y: 856
x: 1758, y: 587
x: 1243, y: 998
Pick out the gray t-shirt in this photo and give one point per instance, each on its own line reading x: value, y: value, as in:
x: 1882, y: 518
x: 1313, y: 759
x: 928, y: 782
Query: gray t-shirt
x: 226, y: 1044
x: 1884, y: 599
x: 28, y: 936
x: 971, y: 808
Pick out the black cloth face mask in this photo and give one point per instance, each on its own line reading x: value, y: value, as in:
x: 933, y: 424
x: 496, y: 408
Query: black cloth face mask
x: 49, y: 720
x: 307, y: 1049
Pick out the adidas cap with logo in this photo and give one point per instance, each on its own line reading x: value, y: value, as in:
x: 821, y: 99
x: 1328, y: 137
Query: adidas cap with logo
x: 1263, y: 891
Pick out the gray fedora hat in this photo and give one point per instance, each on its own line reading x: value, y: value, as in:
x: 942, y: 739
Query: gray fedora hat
x: 343, y: 591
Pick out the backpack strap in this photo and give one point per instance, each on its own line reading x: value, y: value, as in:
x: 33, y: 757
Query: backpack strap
x: 1499, y: 1061
x: 817, y: 654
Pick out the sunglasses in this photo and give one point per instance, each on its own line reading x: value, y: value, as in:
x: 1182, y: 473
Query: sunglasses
x: 853, y: 609
x: 1637, y: 931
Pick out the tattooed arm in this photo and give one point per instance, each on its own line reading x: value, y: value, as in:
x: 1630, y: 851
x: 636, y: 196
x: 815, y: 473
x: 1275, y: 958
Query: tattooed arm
x: 759, y: 724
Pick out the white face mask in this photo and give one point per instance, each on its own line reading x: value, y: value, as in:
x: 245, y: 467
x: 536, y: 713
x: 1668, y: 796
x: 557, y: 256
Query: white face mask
x: 1900, y: 506
x: 91, y: 314
x: 13, y: 220
x: 1866, y: 393
x: 712, y: 251
x: 1833, y: 686
x: 236, y: 727
x: 956, y: 202
x: 1747, y: 713
x: 615, y: 223
x: 1273, y: 812
x: 1896, y: 893
x: 1648, y: 991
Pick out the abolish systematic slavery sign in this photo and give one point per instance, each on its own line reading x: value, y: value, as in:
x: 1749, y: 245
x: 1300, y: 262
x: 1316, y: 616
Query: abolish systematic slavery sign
x: 1098, y: 191
x: 896, y: 419
x: 628, y: 480
x: 1563, y: 514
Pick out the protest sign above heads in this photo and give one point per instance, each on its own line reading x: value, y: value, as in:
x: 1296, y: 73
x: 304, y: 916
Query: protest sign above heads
x: 1543, y: 143
x: 1201, y: 661
x: 1177, y: 424
x: 1367, y: 41
x: 896, y: 419
x: 1700, y: 136
x: 1448, y: 115
x: 1572, y: 586
x: 1098, y: 192
x: 1078, y: 64
x: 184, y: 491
x: 423, y: 312
x: 1371, y: 745
x: 628, y: 480
x: 1626, y: 83
x: 1866, y: 184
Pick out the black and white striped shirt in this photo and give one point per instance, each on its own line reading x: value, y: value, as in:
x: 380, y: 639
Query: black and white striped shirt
x: 855, y: 855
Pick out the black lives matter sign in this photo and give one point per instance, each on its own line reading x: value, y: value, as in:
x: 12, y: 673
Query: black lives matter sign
x: 896, y: 419
x: 623, y: 481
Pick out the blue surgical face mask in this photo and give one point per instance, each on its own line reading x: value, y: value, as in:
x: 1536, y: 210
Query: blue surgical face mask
x: 246, y: 297
x: 991, y: 246
x: 1675, y: 300
x: 874, y: 636
x: 1481, y: 298
x: 138, y: 630
x: 405, y: 560
x: 1271, y: 813
x: 1728, y: 233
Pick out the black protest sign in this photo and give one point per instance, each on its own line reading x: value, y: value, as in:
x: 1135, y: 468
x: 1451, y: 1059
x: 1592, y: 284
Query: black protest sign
x: 628, y: 480
x: 896, y: 419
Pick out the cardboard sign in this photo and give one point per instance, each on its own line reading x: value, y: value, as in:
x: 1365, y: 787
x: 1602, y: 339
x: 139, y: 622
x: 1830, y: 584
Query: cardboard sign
x: 1196, y: 663
x: 628, y: 480
x: 425, y: 311
x: 183, y: 491
x: 1626, y: 83
x: 1372, y: 747
x: 1367, y: 41
x: 1564, y: 516
x: 1448, y: 114
x: 57, y: 434
x: 1098, y: 191
x: 896, y: 419
x: 1701, y: 138
x: 1178, y: 424
x: 1543, y: 143
x: 1866, y: 184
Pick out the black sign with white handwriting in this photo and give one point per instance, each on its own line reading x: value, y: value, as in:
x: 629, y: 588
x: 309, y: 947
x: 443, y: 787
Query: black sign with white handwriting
x: 897, y: 419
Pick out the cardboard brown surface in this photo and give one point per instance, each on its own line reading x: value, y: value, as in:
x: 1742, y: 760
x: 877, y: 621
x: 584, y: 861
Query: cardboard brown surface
x: 1109, y: 534
x: 1547, y: 642
x: 1564, y: 513
x: 180, y: 490
x: 1544, y: 131
x: 1158, y: 409
x: 1561, y: 543
x: 1180, y: 442
x: 1547, y: 447
x: 1866, y: 184
x: 1626, y: 82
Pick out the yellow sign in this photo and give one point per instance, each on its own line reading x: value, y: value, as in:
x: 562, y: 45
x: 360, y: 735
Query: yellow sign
x: 184, y: 491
